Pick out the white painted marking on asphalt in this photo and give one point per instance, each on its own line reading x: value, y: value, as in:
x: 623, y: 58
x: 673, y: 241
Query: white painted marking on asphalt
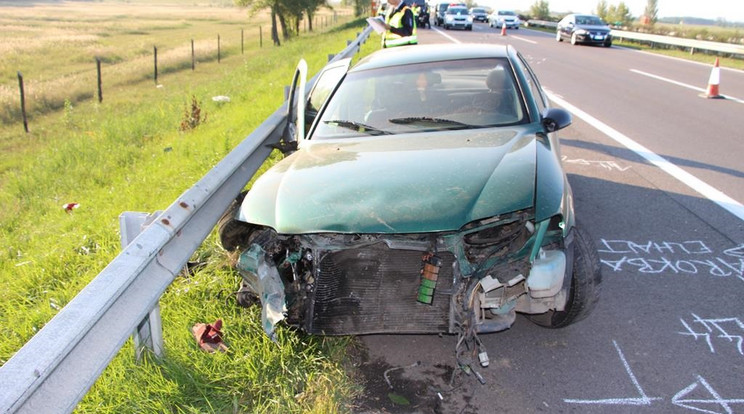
x: 524, y: 39
x: 684, y: 85
x: 446, y: 35
x: 713, y: 194
x: 643, y: 400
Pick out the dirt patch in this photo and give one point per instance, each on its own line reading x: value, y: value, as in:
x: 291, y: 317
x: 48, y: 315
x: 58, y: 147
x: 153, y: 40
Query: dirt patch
x: 419, y: 387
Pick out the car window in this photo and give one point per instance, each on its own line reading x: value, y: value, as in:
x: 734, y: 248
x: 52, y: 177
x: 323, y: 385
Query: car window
x: 533, y: 84
x: 589, y: 20
x: 324, y: 87
x: 472, y: 93
x: 457, y: 10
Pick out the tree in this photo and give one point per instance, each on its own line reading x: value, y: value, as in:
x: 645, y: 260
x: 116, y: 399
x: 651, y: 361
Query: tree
x: 620, y: 15
x: 287, y: 12
x: 651, y: 11
x: 540, y: 10
x: 602, y: 10
x: 254, y: 6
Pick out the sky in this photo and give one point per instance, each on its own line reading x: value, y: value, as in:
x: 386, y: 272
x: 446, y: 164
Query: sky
x: 731, y: 10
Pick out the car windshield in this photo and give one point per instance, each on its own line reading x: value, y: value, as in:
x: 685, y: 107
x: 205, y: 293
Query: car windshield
x: 457, y: 10
x: 506, y: 13
x: 479, y: 10
x: 589, y: 20
x: 458, y: 94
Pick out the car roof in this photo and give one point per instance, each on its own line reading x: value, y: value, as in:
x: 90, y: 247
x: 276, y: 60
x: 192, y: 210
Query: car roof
x: 430, y: 53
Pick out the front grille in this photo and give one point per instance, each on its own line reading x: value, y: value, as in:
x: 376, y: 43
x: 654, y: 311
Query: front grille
x: 374, y: 290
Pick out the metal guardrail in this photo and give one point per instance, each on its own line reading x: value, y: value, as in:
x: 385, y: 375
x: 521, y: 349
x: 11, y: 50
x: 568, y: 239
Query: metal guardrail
x: 53, y: 371
x: 692, y: 44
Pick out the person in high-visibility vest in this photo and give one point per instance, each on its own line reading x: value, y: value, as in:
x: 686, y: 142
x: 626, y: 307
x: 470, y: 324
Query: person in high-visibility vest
x: 400, y: 24
x: 416, y: 10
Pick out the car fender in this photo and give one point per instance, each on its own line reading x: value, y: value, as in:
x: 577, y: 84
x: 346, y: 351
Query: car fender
x: 552, y: 190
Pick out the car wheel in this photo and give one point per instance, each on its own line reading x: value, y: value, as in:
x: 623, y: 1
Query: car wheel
x: 585, y: 286
x: 558, y: 36
x: 573, y: 39
x: 470, y: 27
x: 607, y: 44
x: 233, y: 232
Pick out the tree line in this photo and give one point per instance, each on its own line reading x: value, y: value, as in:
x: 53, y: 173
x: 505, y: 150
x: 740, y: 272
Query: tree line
x: 619, y: 13
x: 286, y: 15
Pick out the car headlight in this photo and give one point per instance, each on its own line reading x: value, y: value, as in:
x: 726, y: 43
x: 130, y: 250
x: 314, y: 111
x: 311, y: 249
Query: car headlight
x: 470, y: 19
x: 581, y: 32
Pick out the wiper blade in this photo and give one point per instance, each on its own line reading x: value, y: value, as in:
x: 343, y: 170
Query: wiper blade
x: 357, y: 126
x: 428, y: 121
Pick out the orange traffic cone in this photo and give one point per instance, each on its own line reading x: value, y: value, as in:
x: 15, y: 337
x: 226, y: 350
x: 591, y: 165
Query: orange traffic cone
x: 713, y: 82
x: 503, y: 29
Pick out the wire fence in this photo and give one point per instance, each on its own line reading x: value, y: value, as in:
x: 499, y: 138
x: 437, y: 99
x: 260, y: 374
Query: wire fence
x: 40, y: 96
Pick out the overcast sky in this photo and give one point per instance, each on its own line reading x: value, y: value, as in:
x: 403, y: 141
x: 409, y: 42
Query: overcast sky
x: 731, y: 10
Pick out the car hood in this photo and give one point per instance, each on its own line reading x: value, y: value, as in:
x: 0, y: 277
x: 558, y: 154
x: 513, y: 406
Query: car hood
x: 412, y: 183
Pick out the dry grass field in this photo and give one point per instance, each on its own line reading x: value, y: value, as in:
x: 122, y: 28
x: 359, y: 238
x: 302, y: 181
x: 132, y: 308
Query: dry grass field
x: 55, y: 44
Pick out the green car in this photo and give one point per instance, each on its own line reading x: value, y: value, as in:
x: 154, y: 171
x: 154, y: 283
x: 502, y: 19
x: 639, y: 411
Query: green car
x: 421, y: 192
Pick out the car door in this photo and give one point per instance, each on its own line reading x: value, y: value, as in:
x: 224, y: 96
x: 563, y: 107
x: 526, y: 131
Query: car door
x: 324, y: 84
x: 309, y: 103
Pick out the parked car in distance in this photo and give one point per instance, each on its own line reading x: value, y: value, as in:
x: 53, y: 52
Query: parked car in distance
x: 440, y: 9
x: 479, y: 14
x: 427, y: 195
x: 458, y: 17
x: 500, y: 17
x: 584, y: 28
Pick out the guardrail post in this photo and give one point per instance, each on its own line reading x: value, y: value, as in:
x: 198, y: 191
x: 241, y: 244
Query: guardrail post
x: 149, y: 332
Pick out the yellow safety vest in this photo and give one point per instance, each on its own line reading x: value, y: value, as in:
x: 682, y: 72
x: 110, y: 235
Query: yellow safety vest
x: 395, y: 19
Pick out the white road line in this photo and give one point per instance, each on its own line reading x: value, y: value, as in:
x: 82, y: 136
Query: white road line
x: 446, y: 35
x: 684, y: 85
x: 728, y: 203
x: 524, y: 39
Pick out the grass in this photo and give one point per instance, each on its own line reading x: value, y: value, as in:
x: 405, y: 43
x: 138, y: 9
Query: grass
x: 129, y: 154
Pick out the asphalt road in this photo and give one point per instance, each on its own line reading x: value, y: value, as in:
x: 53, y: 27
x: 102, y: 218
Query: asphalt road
x: 658, y: 179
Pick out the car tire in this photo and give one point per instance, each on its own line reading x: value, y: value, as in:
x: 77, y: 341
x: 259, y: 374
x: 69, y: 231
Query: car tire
x: 607, y: 44
x: 558, y: 36
x: 469, y: 28
x: 574, y: 40
x: 585, y: 288
x: 233, y: 232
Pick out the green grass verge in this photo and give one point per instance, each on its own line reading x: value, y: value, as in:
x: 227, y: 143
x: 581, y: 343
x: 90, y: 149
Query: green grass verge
x: 128, y: 154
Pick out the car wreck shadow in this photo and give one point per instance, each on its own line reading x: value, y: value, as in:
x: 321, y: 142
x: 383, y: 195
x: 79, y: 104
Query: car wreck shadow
x: 629, y: 155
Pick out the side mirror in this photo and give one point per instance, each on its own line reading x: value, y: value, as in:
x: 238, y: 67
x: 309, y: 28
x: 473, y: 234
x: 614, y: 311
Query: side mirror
x: 554, y: 119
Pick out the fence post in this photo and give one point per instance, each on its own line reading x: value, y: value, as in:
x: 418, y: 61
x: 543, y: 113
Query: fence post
x: 218, y: 49
x: 23, y: 102
x: 193, y: 57
x: 98, y: 71
x: 155, y: 54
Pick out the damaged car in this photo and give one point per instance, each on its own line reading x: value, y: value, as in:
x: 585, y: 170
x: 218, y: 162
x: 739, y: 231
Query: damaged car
x: 421, y: 191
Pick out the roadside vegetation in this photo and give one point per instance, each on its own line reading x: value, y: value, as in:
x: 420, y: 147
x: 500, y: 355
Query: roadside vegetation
x: 138, y: 150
